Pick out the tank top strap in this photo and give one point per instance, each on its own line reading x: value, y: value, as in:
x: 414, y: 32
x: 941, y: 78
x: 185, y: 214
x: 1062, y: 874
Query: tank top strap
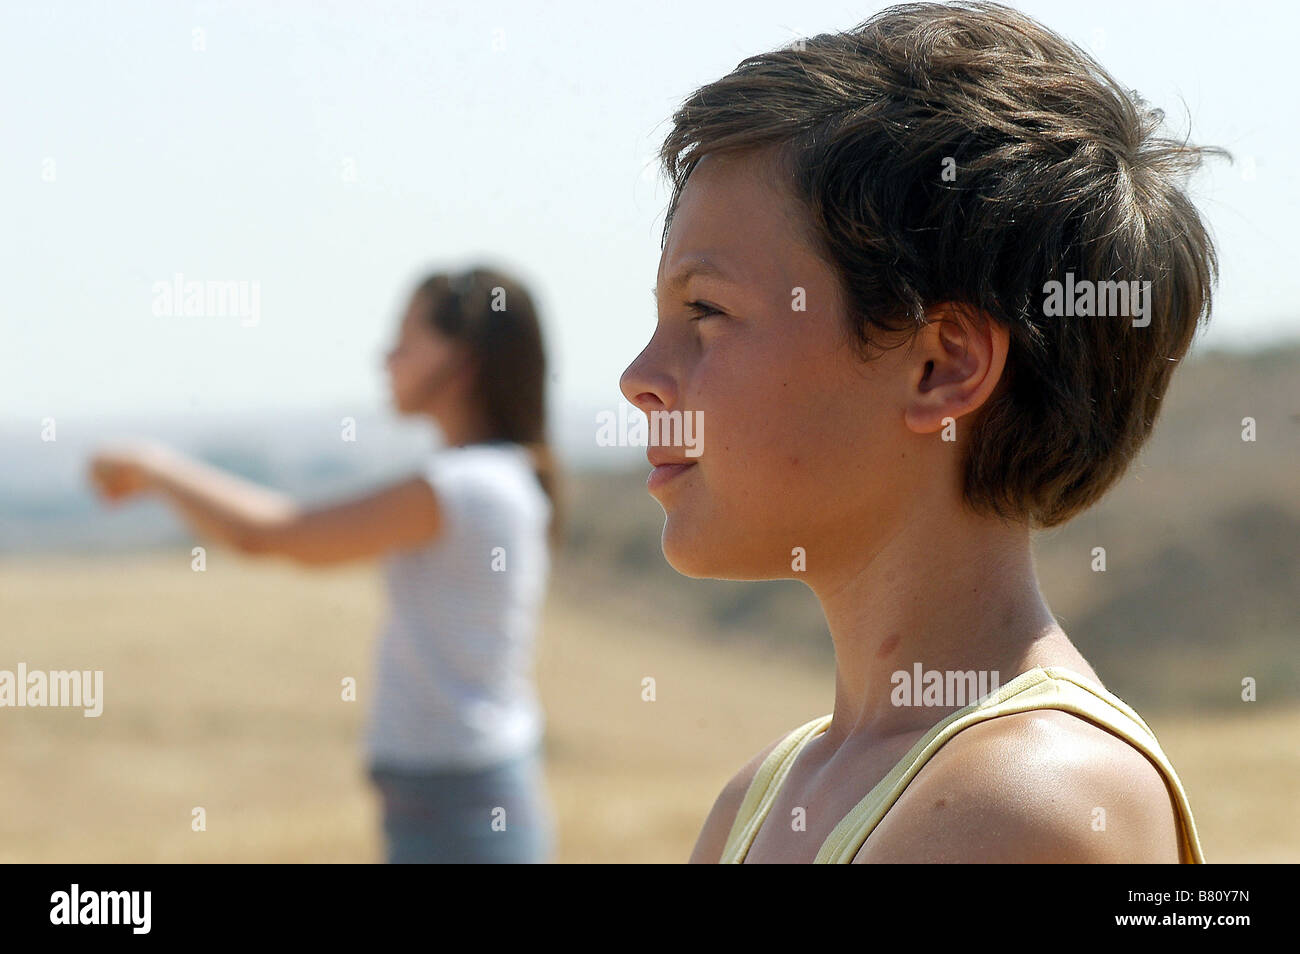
x: 763, y: 789
x: 1044, y: 688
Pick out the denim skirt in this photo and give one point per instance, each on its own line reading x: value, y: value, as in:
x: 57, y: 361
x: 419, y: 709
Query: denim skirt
x: 497, y: 815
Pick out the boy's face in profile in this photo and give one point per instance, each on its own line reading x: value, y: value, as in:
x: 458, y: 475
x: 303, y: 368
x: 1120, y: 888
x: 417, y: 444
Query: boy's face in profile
x: 804, y: 442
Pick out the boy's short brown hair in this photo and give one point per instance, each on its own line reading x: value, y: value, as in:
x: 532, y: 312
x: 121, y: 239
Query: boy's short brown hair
x: 966, y: 154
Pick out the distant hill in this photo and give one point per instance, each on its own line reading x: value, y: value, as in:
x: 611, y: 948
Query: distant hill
x: 1202, y: 535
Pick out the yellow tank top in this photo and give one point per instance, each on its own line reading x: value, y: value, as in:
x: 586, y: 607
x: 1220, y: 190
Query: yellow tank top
x: 1043, y: 688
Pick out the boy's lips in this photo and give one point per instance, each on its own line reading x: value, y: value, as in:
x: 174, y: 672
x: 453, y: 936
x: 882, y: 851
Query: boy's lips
x: 665, y: 469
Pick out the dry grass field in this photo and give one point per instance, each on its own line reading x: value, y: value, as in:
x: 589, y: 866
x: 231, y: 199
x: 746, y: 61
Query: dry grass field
x: 222, y: 690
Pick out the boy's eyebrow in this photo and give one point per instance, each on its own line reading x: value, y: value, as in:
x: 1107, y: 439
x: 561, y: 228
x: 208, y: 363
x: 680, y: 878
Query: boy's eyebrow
x: 699, y: 266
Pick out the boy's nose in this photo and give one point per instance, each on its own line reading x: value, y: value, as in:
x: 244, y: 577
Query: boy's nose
x: 630, y: 383
x: 643, y: 389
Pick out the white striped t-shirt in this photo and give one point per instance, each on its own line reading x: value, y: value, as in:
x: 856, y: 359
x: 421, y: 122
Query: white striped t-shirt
x: 453, y: 667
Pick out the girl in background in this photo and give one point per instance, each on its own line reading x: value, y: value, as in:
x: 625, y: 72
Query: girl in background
x: 455, y: 727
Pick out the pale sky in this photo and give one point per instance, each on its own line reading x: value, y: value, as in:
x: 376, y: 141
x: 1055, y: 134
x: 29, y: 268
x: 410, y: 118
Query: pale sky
x: 332, y: 153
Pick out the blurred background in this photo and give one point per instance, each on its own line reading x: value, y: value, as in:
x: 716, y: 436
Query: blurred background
x: 326, y: 156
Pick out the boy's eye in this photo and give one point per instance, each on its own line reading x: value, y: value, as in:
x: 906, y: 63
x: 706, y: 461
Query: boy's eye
x: 703, y: 309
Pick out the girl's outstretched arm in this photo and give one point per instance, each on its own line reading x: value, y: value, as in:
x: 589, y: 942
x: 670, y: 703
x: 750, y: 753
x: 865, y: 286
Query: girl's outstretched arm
x: 256, y: 520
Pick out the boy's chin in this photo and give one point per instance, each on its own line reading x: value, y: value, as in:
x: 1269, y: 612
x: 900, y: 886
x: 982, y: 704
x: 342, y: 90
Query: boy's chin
x: 684, y: 551
x: 698, y: 556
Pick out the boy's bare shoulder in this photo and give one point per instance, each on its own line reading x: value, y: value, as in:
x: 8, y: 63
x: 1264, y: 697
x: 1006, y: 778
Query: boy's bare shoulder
x: 713, y: 836
x: 1033, y: 787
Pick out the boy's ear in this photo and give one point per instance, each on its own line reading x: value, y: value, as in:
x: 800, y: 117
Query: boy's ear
x: 954, y: 364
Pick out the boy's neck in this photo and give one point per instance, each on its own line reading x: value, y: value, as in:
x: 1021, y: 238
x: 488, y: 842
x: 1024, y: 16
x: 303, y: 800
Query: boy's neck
x: 948, y: 591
